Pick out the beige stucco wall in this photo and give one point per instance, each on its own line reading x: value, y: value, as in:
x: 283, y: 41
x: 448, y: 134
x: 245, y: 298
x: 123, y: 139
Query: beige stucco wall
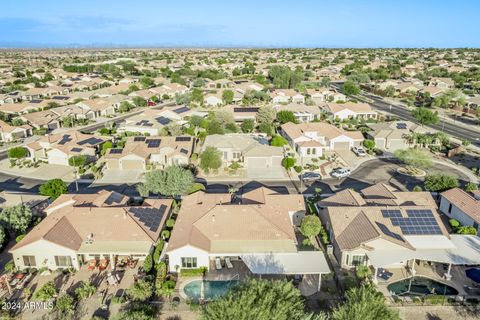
x: 44, y: 252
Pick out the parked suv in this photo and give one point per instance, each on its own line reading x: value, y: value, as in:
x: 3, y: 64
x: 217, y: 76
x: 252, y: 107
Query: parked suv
x: 340, y: 173
x: 359, y: 151
x: 311, y: 176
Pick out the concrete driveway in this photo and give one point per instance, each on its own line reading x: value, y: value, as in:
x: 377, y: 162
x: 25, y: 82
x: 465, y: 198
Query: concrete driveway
x: 350, y: 158
x: 117, y: 176
x: 266, y: 173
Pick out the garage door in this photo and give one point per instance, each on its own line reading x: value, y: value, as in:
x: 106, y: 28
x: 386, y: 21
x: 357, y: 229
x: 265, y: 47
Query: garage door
x: 112, y: 164
x: 57, y: 159
x: 257, y: 163
x: 341, y: 146
x: 132, y: 165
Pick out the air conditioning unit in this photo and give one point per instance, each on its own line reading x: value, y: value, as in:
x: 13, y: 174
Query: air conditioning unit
x: 329, y: 249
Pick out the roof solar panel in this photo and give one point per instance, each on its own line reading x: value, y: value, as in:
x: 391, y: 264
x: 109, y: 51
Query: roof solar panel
x: 389, y: 233
x: 391, y: 213
x: 181, y: 110
x: 66, y: 138
x: 183, y: 138
x: 153, y: 143
x: 115, y: 151
x: 137, y: 139
x: 401, y: 125
x: 163, y: 121
x: 246, y: 109
x: 91, y: 141
x: 76, y: 149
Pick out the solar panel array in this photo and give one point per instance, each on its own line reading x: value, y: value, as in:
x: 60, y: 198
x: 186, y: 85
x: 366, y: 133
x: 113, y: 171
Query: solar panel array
x: 76, y: 149
x: 163, y: 121
x: 153, y: 143
x: 401, y: 125
x: 144, y: 123
x: 137, y: 139
x: 181, y: 110
x: 66, y: 138
x: 417, y: 222
x: 115, y: 151
x: 248, y: 109
x: 184, y: 151
x: 183, y: 138
x: 150, y: 217
x: 90, y: 141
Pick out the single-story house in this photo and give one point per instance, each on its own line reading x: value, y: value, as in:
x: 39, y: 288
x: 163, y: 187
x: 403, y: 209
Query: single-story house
x: 138, y: 152
x: 392, y: 136
x: 258, y: 231
x: 383, y: 227
x: 348, y: 110
x: 82, y: 227
x: 303, y: 112
x: 10, y: 133
x: 312, y: 139
x: 461, y: 206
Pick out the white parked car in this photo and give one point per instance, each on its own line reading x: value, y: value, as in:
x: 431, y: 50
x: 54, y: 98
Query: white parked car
x: 359, y: 151
x: 340, y: 173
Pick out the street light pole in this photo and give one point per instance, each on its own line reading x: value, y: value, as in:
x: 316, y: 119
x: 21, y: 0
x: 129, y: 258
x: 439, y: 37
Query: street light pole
x: 76, y: 176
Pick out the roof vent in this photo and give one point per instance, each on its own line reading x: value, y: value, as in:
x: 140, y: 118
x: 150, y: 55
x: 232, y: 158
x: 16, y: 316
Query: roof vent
x: 89, y: 239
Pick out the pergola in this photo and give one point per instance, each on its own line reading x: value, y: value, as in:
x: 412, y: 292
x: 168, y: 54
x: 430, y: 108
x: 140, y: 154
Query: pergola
x: 302, y: 262
x: 463, y: 250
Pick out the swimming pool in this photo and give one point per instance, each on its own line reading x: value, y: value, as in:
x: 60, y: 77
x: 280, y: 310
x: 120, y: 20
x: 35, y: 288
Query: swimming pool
x: 420, y: 286
x: 207, y: 289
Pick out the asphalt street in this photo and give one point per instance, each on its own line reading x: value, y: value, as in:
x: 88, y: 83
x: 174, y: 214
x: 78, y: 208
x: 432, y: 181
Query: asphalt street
x: 455, y: 130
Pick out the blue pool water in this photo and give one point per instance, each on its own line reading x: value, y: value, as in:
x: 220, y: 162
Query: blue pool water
x: 211, y: 289
x: 420, y: 286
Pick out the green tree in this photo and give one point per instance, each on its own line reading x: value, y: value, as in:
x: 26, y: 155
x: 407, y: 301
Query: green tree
x: 285, y: 116
x: 310, y: 226
x: 466, y: 230
x: 363, y: 272
x: 53, y: 188
x: 197, y: 96
x: 64, y: 306
x: 77, y: 161
x: 210, y: 159
x: 260, y: 300
x: 85, y: 290
x: 139, y: 101
x: 425, y: 116
x: 247, y: 125
x: 369, y: 144
x: 266, y: 114
x: 107, y: 145
x: 440, y: 182
x: 141, y: 290
x: 278, y: 141
x: 3, y: 237
x: 325, y: 82
x: 68, y: 121
x: 415, y: 158
x: 148, y: 264
x: 172, y: 181
x: 227, y: 96
x: 46, y: 292
x: 349, y: 88
x: 288, y: 162
x: 266, y: 128
x: 125, y: 106
x: 17, y: 153
x: 364, y: 303
x: 469, y: 187
x: 390, y: 91
x: 146, y: 82
x: 17, y: 217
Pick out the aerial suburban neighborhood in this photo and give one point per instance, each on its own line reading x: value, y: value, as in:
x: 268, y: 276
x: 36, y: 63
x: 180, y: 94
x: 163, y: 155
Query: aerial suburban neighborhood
x: 239, y: 182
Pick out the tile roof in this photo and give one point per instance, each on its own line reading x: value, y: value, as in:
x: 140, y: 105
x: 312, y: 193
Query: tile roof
x: 464, y: 201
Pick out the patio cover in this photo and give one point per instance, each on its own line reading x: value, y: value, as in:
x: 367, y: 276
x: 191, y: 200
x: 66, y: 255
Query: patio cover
x: 303, y: 262
x: 465, y: 251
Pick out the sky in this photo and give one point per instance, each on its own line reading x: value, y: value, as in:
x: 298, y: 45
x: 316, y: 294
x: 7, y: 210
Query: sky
x: 245, y: 23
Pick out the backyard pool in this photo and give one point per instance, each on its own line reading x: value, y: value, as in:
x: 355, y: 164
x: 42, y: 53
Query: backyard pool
x: 420, y: 286
x: 207, y: 289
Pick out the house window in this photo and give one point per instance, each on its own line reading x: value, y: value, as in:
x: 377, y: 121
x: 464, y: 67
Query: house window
x: 236, y: 155
x: 308, y: 150
x: 29, y: 261
x: 189, y: 262
x: 225, y: 155
x: 314, y: 150
x: 450, y: 208
x: 63, y: 261
x: 358, y: 260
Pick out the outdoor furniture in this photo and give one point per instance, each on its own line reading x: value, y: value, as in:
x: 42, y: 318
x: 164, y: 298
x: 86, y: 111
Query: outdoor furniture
x: 228, y: 263
x: 103, y: 264
x: 218, y: 264
x: 92, y: 264
x: 132, y: 263
x: 384, y: 274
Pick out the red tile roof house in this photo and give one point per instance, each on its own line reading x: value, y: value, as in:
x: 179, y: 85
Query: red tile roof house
x: 312, y: 139
x: 383, y: 227
x: 461, y: 206
x: 258, y: 231
x: 81, y: 227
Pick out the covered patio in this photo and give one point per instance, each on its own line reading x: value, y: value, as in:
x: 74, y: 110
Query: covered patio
x: 446, y: 263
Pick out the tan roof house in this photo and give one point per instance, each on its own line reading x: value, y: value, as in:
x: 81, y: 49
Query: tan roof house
x: 348, y: 110
x: 82, y: 227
